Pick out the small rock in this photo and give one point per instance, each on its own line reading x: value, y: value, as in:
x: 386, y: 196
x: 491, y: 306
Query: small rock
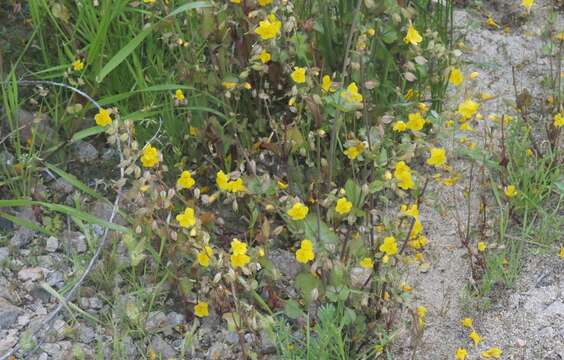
x: 52, y: 244
x: 22, y: 237
x: 156, y: 321
x: 40, y: 294
x: 85, y: 152
x: 33, y: 274
x: 62, y: 186
x: 555, y: 309
x: 6, y: 158
x: 56, y: 279
x: 267, y: 345
x: 86, y: 334
x: 76, y: 239
x: 4, y: 253
x: 285, y: 262
x: 95, y: 303
x: 8, y: 314
x: 163, y: 348
x: 23, y: 320
x: 103, y: 210
x: 175, y: 319
x: 232, y: 337
x: 218, y: 351
x: 52, y: 349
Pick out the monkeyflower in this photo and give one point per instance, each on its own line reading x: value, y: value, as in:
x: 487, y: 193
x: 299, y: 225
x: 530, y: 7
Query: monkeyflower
x: 298, y: 211
x: 305, y: 253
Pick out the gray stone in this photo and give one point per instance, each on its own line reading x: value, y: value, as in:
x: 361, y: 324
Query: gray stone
x: 103, y: 210
x: 33, y: 274
x: 359, y: 276
x: 174, y: 318
x: 218, y: 351
x: 95, y: 303
x: 21, y: 237
x: 86, y: 334
x: 285, y: 262
x: 76, y: 240
x: 156, y: 321
x: 56, y: 279
x: 85, y: 152
x: 52, y: 244
x: 62, y: 186
x: 267, y: 344
x: 232, y: 337
x: 8, y: 314
x: 4, y: 254
x: 160, y: 346
x: 7, y: 159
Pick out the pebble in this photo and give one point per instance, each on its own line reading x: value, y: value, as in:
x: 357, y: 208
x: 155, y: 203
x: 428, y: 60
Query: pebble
x: 4, y: 253
x: 52, y: 244
x: 160, y: 346
x: 33, y: 274
x: 8, y: 314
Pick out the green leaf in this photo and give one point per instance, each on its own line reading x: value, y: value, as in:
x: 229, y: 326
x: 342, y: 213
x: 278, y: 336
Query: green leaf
x: 308, y: 283
x: 83, y: 134
x: 121, y: 55
x: 327, y: 236
x: 354, y: 193
x: 74, y: 181
x: 65, y: 210
x: 293, y: 310
x: 25, y: 223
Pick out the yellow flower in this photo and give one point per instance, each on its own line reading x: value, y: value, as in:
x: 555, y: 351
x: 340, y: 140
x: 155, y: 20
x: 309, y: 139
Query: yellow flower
x: 456, y: 77
x: 423, y: 107
x: 529, y: 152
x: 418, y: 243
x: 238, y: 247
x: 264, y: 2
x: 527, y: 4
x: 224, y: 184
x: 351, y: 94
x: 490, y: 22
x: 474, y: 75
x: 467, y: 322
x: 461, y: 354
x: 558, y: 120
x: 298, y: 212
x: 475, y: 337
x: 179, y: 95
x: 354, y: 151
x: 187, y: 218
x: 371, y: 32
x: 239, y: 257
x: 150, y: 156
x: 510, y: 191
x: 412, y: 210
x: 236, y: 186
x: 103, y: 117
x: 201, y: 309
x: 389, y: 246
x: 416, y: 121
x: 412, y: 37
x: 77, y: 65
x: 204, y: 256
x: 269, y: 28
x: 185, y: 181
x: 417, y: 228
x: 438, y: 157
x: 468, y: 108
x: 493, y: 352
x: 343, y: 206
x: 305, y: 253
x: 229, y: 84
x: 399, y: 126
x: 282, y: 185
x: 298, y: 75
x: 367, y: 263
x: 402, y: 173
x: 405, y: 287
x: 482, y: 246
x: 561, y: 253
x: 193, y: 131
x: 326, y: 83
x: 265, y: 56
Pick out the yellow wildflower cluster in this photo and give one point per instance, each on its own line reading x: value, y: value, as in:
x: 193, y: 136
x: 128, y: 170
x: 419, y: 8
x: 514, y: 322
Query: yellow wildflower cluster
x: 185, y: 181
x: 269, y: 28
x: 402, y: 173
x: 305, y: 253
x: 239, y: 257
x: 298, y: 211
x: 225, y: 184
x: 150, y: 156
